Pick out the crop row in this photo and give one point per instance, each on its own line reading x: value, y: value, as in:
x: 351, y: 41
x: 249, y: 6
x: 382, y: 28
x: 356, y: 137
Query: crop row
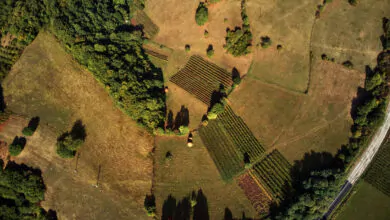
x: 241, y: 134
x: 201, y: 78
x: 274, y: 173
x: 378, y: 174
x: 222, y: 150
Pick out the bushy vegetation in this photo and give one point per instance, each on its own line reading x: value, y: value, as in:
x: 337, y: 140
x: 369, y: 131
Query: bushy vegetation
x: 202, y: 14
x: 69, y: 142
x: 266, y: 42
x: 21, y: 190
x: 150, y: 205
x: 187, y: 47
x: 217, y: 109
x: 239, y: 40
x: 210, y: 51
x: 353, y: 2
x: 17, y: 146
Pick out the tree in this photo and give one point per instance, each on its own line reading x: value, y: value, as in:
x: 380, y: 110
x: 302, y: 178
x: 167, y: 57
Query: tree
x: 15, y: 149
x: 184, y: 130
x: 210, y: 51
x: 67, y: 145
x: 217, y: 109
x: 202, y: 14
x: 266, y: 42
x: 27, y: 131
x: 353, y: 2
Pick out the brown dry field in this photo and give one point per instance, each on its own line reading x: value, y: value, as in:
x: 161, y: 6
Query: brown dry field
x: 351, y: 33
x: 288, y: 23
x: 176, y: 20
x: 48, y: 83
x: 296, y: 123
x: 193, y: 169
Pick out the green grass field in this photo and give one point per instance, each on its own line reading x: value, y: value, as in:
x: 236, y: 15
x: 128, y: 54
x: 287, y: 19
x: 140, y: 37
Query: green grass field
x: 366, y: 203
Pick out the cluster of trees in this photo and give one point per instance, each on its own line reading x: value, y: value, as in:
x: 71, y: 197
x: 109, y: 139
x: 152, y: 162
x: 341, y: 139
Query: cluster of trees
x: 239, y: 40
x: 21, y: 190
x: 99, y: 37
x: 319, y: 190
x: 202, y: 14
x: 17, y: 146
x: 313, y: 194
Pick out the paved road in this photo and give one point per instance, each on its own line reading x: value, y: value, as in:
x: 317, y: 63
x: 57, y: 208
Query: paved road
x: 363, y: 163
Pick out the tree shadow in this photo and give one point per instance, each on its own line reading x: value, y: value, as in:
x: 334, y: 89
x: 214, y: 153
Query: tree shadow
x: 176, y: 210
x: 384, y: 39
x: 236, y: 76
x: 361, y: 96
x: 2, y: 102
x: 51, y: 215
x: 228, y: 214
x: 182, y: 118
x: 22, y: 168
x: 19, y: 141
x: 170, y: 122
x: 201, y: 210
x: 78, y: 131
x: 217, y: 96
x: 33, y: 123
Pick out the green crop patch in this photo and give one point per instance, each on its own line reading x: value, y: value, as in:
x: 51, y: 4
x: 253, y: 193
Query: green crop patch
x: 202, y: 79
x: 274, y: 173
x: 230, y: 143
x: 378, y: 174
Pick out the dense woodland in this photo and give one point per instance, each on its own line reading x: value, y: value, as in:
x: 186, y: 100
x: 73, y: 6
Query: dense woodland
x: 21, y: 190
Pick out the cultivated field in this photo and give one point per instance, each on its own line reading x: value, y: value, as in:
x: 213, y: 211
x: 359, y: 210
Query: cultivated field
x: 230, y: 142
x: 8, y: 56
x: 202, y: 79
x: 259, y: 198
x: 273, y: 172
x: 178, y: 27
x: 191, y: 169
x: 366, y: 203
x: 378, y: 174
x: 46, y: 82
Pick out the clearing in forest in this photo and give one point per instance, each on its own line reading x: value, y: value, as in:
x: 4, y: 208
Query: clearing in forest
x: 202, y: 79
x: 48, y: 83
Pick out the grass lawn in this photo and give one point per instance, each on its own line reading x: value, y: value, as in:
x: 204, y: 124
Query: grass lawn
x: 366, y: 203
x: 46, y: 82
x: 191, y: 169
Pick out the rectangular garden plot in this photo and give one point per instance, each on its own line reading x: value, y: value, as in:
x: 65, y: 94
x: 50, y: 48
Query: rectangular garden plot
x: 230, y: 143
x: 222, y: 150
x: 273, y: 172
x: 201, y: 78
x: 259, y: 198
